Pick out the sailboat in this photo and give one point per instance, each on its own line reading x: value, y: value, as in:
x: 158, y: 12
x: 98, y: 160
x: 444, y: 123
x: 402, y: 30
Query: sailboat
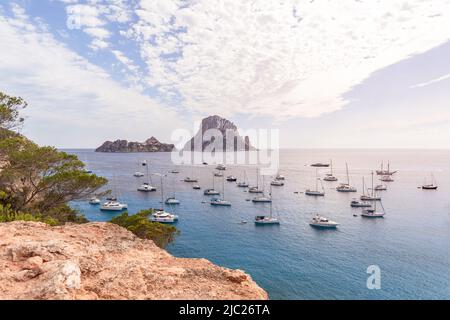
x: 430, y: 186
x: 211, y: 191
x: 262, y: 198
x: 267, y: 220
x: 172, y: 199
x: 372, y: 212
x: 330, y: 176
x: 221, y: 201
x: 316, y: 191
x: 256, y: 189
x: 244, y: 183
x: 162, y: 216
x: 380, y: 187
x: 191, y: 179
x: 368, y: 197
x: 138, y: 173
x: 346, y: 187
x: 387, y: 172
x: 387, y: 178
x: 146, y: 186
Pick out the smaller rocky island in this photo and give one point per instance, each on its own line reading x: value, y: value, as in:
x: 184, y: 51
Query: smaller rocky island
x: 150, y: 145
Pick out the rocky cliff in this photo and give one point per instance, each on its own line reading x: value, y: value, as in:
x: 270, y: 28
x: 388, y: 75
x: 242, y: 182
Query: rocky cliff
x: 231, y: 140
x: 105, y: 261
x: 150, y: 145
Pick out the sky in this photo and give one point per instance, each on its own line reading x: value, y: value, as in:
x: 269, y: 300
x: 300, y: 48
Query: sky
x: 336, y: 74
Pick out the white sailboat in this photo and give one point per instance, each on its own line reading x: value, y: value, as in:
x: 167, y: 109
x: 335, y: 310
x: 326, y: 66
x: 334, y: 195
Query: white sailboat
x: 212, y: 191
x: 346, y: 187
x: 316, y: 192
x: 263, y: 198
x: 430, y: 186
x: 372, y: 212
x: 267, y: 220
x: 172, y: 199
x: 147, y: 186
x: 244, y: 183
x: 162, y: 216
x: 256, y: 189
x: 191, y: 178
x: 112, y: 204
x: 329, y: 176
x: 221, y: 201
x: 367, y: 197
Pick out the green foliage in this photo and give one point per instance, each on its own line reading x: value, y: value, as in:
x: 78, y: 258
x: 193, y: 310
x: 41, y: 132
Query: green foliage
x: 8, y: 215
x: 42, y: 178
x: 9, y: 111
x: 142, y: 227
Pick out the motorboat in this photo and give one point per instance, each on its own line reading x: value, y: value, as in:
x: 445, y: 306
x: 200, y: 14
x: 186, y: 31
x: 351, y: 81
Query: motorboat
x: 277, y: 183
x: 262, y: 199
x: 380, y: 187
x: 321, y: 222
x: 255, y: 190
x: 221, y: 167
x: 146, y: 187
x: 113, y: 205
x: 196, y: 187
x: 172, y: 200
x: 242, y: 184
x: 218, y: 174
x: 163, y: 217
x: 346, y: 187
x: 360, y: 204
x: 175, y: 171
x: 266, y: 220
x: 138, y: 174
x: 280, y: 177
x: 189, y: 179
x: 371, y: 213
x: 320, y: 165
x: 329, y: 176
x: 94, y: 201
x: 231, y: 179
x: 220, y: 202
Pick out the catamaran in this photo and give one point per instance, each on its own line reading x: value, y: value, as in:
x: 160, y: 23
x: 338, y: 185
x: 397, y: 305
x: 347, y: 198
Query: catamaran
x: 321, y: 222
x: 316, y: 192
x: 162, y: 216
x: 430, y: 186
x: 267, y: 220
x: 221, y: 201
x: 346, y: 187
x: 330, y: 176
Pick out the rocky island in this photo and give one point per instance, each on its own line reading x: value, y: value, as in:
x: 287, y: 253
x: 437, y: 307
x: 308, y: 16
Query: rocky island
x: 105, y: 261
x: 150, y: 145
x: 229, y: 133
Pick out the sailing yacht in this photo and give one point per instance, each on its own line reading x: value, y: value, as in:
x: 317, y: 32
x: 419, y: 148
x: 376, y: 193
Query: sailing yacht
x: 380, y: 187
x: 256, y: 189
x: 146, y: 186
x: 372, y: 212
x: 346, y: 187
x: 162, y: 216
x: 221, y: 201
x: 138, y: 174
x: 262, y: 198
x: 243, y: 184
x: 172, y: 199
x: 330, y: 176
x: 367, y: 197
x: 387, y: 178
x: 191, y: 179
x: 387, y: 172
x: 211, y: 191
x: 321, y: 222
x: 430, y: 186
x: 267, y: 220
x: 316, y: 192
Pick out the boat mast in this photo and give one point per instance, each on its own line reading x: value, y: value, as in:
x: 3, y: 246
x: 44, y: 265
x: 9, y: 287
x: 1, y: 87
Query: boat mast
x: 270, y: 212
x: 331, y: 166
x: 162, y: 193
x: 317, y: 181
x: 373, y: 194
x: 348, y: 179
x: 364, y: 186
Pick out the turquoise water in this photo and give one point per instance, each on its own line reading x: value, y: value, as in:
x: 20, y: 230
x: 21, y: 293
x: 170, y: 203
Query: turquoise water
x: 294, y: 261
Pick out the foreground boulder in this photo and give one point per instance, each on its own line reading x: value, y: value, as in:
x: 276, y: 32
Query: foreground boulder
x: 105, y: 261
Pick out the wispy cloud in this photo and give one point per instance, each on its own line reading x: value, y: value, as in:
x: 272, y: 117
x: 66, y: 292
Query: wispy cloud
x: 430, y: 82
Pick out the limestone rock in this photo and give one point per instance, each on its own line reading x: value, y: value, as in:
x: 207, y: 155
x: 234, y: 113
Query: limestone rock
x: 150, y: 145
x: 105, y: 261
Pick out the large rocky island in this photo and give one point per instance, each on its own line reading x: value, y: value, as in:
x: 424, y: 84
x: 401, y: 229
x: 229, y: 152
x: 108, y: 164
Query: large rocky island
x: 105, y: 261
x: 231, y: 139
x: 150, y: 145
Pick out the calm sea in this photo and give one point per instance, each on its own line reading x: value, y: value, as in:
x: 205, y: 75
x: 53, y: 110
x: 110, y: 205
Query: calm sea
x: 411, y: 245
